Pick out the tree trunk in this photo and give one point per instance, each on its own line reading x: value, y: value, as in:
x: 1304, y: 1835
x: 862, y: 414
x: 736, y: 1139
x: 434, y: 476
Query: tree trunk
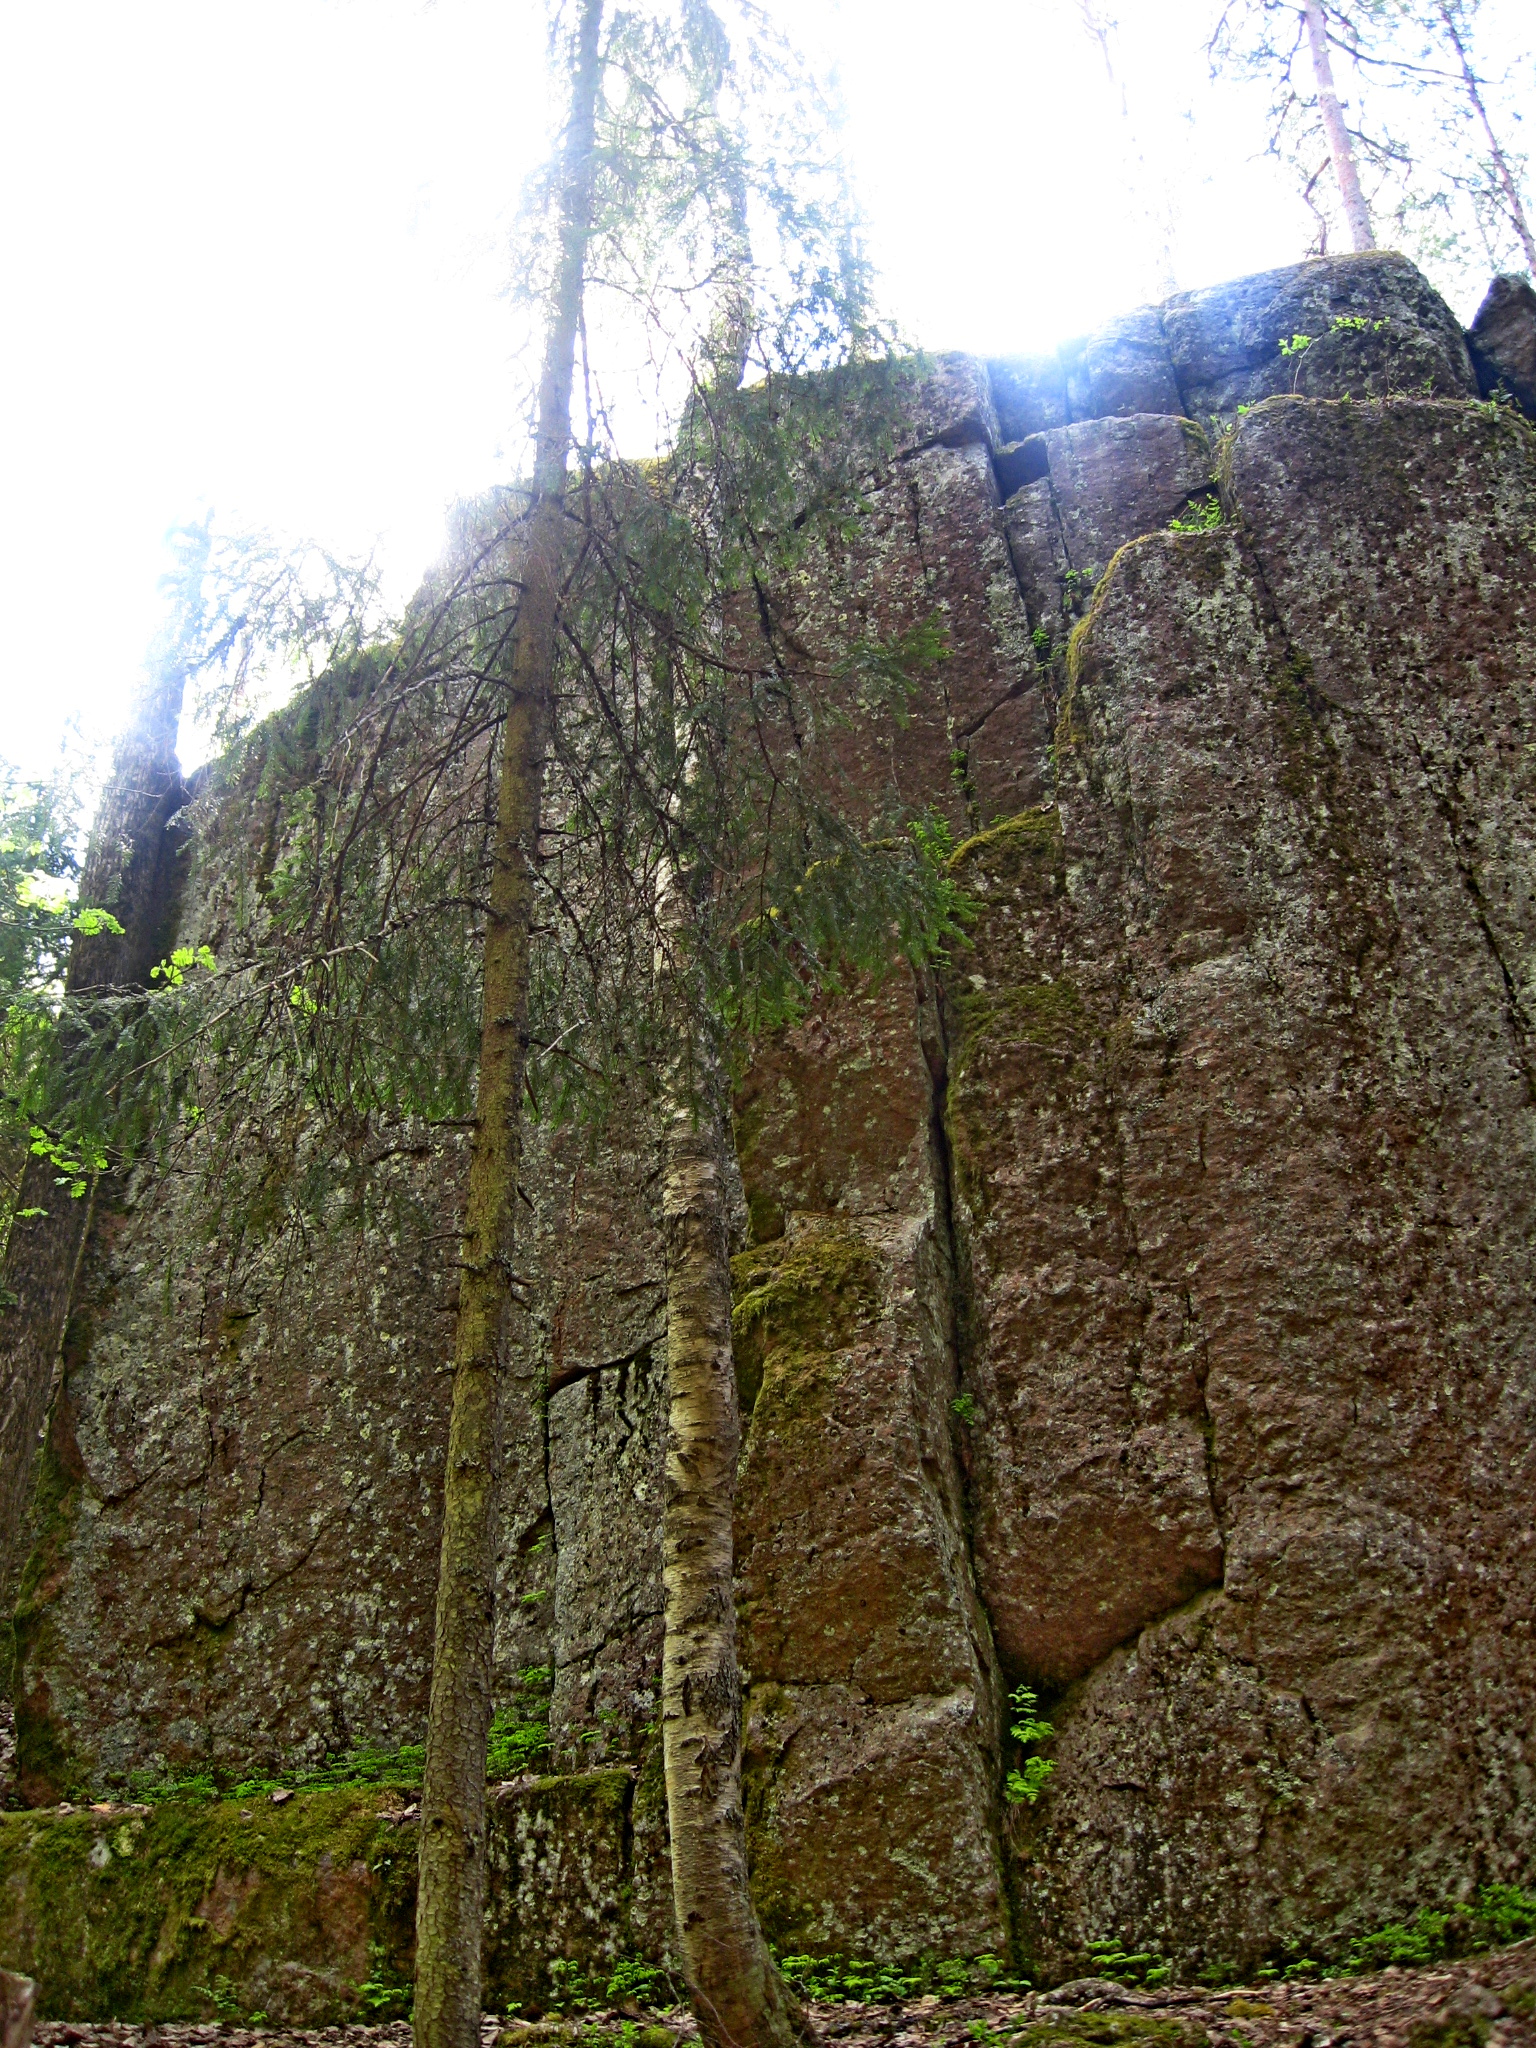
x: 1505, y: 175
x: 739, y: 1998
x: 451, y: 1887
x: 1357, y: 214
x: 129, y: 870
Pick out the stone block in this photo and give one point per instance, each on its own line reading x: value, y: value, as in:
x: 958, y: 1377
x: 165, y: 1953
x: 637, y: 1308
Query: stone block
x: 1102, y: 483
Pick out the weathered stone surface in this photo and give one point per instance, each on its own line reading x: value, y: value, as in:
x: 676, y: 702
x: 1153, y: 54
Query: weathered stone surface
x: 1101, y: 484
x: 952, y: 405
x: 1030, y: 393
x: 1502, y: 339
x: 560, y: 1880
x: 1008, y: 762
x: 1123, y: 368
x: 1270, y: 1036
x: 18, y: 2008
x: 1092, y: 1501
x: 1377, y: 328
x: 929, y: 549
x: 239, y: 1499
x: 605, y: 1467
x: 829, y: 1771
x: 188, y: 1912
x: 1224, y: 343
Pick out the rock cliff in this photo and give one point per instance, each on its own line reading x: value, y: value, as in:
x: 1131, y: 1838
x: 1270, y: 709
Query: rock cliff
x: 1140, y: 1310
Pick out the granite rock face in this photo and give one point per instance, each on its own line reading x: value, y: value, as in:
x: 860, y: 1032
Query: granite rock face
x: 1272, y: 986
x: 1137, y: 1308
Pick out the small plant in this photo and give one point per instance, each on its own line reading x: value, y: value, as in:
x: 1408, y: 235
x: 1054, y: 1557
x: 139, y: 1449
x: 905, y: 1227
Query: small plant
x: 871, y: 1983
x: 964, y: 1406
x: 1200, y: 515
x: 225, y: 1998
x: 566, y: 1983
x: 1024, y: 1786
x: 1141, y: 1966
x: 173, y: 972
x: 384, y: 1997
x: 153, y: 1787
x: 1041, y: 641
x: 1297, y: 345
x: 645, y: 1983
x: 1355, y: 323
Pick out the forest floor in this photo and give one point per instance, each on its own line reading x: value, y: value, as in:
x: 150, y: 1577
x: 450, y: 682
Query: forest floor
x: 1485, y: 2001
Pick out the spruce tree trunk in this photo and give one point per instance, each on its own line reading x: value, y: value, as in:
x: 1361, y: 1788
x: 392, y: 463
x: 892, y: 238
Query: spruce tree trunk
x: 738, y: 1996
x: 1357, y: 214
x: 451, y: 1885
x: 130, y: 870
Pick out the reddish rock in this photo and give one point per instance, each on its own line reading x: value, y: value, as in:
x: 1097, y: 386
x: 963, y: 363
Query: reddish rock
x: 1283, y: 1123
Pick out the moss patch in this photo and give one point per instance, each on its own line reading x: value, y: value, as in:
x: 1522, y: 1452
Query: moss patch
x: 796, y: 1300
x: 47, y: 1767
x: 1046, y: 1013
x: 1027, y: 843
x: 1110, y: 2030
x: 209, y: 1910
x: 303, y: 1912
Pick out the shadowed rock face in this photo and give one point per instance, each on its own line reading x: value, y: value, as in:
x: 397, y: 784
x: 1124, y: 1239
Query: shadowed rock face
x: 1140, y: 1310
x: 1502, y: 340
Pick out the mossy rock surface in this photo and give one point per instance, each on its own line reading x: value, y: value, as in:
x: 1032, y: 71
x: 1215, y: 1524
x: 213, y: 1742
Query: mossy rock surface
x: 303, y: 1913
x: 194, y: 1910
x: 1110, y: 2030
x: 797, y: 1301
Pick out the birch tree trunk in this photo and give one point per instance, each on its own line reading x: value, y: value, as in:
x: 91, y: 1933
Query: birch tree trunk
x: 451, y: 1886
x: 739, y: 1998
x: 1357, y: 214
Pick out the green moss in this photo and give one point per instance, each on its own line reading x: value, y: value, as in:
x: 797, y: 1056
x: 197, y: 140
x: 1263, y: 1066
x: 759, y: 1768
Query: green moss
x: 169, y: 1914
x: 306, y: 1910
x: 797, y: 1300
x: 1046, y: 1013
x: 1109, y: 2030
x: 990, y: 1025
x: 1032, y: 838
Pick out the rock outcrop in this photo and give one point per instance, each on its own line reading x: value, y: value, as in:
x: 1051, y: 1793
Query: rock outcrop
x: 1139, y: 1310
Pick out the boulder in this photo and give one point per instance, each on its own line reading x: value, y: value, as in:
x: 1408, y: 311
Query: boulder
x: 1371, y: 327
x: 1502, y: 339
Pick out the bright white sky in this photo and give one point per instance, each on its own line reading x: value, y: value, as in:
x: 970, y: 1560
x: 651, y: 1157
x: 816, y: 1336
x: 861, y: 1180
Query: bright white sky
x: 255, y: 257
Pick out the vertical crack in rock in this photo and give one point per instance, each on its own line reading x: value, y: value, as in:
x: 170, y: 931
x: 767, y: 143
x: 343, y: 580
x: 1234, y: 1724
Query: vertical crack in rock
x: 935, y: 1051
x: 1520, y: 1027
